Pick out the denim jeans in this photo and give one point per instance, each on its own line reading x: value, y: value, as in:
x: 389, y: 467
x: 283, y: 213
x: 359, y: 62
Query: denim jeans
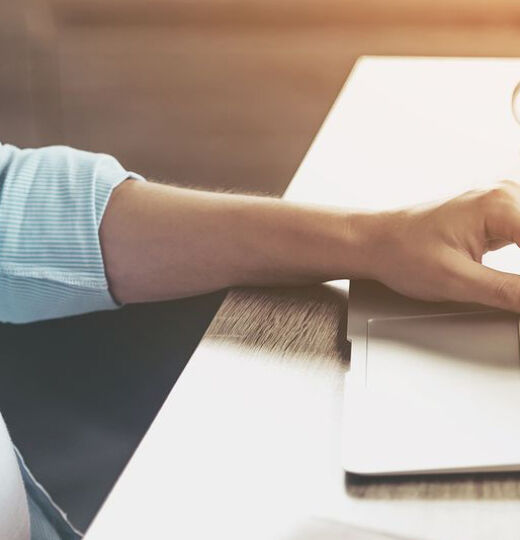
x: 48, y: 522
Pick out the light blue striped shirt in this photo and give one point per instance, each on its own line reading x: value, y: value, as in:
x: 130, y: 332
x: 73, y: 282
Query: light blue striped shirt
x: 52, y: 201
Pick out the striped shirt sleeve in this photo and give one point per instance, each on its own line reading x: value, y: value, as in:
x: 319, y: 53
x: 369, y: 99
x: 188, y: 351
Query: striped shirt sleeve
x: 52, y: 201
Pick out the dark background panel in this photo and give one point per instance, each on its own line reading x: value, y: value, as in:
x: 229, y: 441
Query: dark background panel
x: 78, y: 394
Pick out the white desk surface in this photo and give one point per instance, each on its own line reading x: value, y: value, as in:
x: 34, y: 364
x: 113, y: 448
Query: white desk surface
x: 247, y: 445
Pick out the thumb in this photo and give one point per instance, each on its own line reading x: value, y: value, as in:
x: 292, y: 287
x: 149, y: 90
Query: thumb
x: 483, y: 285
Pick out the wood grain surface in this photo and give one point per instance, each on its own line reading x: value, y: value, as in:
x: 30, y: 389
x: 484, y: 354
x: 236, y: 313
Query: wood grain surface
x: 309, y: 321
x: 248, y: 444
x: 306, y: 329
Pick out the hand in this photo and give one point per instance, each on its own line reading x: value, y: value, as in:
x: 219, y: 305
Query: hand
x: 434, y: 252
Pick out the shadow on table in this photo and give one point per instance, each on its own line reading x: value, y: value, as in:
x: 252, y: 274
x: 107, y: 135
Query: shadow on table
x: 327, y: 529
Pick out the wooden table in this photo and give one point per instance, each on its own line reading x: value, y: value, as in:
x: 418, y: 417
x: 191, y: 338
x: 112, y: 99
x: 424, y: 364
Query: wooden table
x: 248, y: 443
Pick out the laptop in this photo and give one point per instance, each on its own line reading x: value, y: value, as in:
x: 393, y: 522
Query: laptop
x: 432, y: 387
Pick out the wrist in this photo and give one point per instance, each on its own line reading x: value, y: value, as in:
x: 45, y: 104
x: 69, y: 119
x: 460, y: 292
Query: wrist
x: 365, y: 237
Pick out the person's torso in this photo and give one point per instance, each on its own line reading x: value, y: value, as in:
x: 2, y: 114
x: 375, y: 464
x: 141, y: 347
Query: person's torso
x: 14, y: 514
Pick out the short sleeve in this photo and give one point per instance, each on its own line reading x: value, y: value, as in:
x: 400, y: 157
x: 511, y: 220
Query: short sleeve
x: 52, y: 201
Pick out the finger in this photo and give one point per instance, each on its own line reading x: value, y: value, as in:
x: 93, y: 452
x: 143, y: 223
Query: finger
x: 483, y: 285
x: 496, y: 244
x: 503, y: 220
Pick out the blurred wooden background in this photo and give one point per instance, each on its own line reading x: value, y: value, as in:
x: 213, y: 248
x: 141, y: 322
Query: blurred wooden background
x: 213, y: 93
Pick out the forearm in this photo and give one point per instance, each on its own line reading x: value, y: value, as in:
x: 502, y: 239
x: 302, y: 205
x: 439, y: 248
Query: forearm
x: 164, y: 242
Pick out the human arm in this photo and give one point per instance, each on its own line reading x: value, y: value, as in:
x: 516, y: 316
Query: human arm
x: 164, y: 242
x: 70, y: 219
